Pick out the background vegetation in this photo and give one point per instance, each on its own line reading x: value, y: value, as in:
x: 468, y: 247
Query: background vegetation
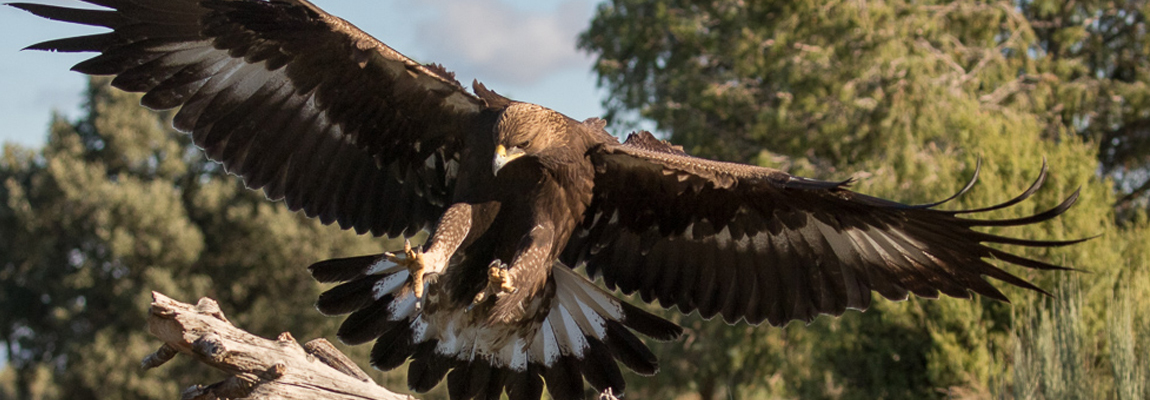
x: 915, y: 93
x: 116, y: 204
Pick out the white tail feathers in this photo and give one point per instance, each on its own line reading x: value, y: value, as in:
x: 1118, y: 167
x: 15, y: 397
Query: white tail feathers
x: 582, y: 335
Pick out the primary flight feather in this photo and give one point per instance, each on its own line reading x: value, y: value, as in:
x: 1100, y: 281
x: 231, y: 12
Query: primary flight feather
x: 315, y: 112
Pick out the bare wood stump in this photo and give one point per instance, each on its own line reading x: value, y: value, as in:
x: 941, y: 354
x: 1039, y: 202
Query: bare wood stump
x: 260, y: 368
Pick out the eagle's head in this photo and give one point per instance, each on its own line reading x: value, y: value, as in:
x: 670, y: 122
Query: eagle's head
x: 525, y: 130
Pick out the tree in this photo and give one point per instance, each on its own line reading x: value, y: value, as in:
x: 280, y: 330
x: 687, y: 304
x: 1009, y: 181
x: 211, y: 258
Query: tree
x: 755, y: 70
x: 916, y: 93
x: 117, y: 205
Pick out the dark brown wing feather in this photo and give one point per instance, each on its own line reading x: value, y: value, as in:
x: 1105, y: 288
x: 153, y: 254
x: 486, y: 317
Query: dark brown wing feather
x: 760, y: 244
x: 297, y: 102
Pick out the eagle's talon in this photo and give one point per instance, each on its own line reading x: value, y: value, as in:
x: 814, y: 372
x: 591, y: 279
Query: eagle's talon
x: 499, y: 278
x: 498, y: 282
x: 414, y: 261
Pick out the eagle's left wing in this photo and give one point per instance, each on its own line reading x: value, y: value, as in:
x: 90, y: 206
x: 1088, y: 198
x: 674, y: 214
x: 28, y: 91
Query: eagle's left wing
x: 296, y: 101
x: 760, y: 244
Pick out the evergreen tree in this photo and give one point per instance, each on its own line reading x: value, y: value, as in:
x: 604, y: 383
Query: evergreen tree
x: 117, y: 205
x: 917, y: 93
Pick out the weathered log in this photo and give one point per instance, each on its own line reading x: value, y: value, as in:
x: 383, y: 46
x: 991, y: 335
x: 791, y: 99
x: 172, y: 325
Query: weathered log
x: 259, y: 368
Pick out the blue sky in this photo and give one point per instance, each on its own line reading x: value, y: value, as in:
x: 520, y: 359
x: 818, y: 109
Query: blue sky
x: 520, y: 48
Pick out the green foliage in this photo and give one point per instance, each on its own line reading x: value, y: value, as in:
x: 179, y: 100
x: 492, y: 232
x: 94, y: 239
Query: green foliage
x: 916, y: 93
x: 1053, y: 350
x: 117, y: 205
x: 1056, y: 350
x: 1130, y: 371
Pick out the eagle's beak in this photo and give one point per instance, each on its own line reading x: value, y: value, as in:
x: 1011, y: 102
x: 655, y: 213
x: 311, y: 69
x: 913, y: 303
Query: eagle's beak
x: 504, y: 156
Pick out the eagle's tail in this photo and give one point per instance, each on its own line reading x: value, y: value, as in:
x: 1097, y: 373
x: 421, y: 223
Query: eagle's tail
x: 581, y: 337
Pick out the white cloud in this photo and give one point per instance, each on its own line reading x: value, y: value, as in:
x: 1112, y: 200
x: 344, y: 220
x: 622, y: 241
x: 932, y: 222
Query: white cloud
x: 501, y: 43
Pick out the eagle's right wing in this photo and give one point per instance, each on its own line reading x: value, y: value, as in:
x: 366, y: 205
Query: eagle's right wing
x: 759, y: 244
x: 297, y: 102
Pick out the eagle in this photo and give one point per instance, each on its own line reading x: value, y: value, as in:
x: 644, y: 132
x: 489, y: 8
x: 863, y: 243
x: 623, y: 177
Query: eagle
x: 525, y: 206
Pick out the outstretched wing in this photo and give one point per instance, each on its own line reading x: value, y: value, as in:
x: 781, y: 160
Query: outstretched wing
x: 760, y: 244
x: 297, y: 102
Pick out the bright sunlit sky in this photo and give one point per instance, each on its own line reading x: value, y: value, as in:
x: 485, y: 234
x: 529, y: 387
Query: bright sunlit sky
x: 523, y: 49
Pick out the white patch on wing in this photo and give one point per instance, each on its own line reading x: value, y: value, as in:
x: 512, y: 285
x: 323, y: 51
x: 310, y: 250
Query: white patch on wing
x: 545, y: 349
x: 389, y: 284
x: 594, y: 322
x: 592, y: 302
x: 601, y: 301
x: 519, y: 354
x: 382, y: 266
x: 401, y: 308
x: 567, y: 333
x: 576, y: 311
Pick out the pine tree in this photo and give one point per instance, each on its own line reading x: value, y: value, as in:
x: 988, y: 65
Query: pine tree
x: 117, y: 205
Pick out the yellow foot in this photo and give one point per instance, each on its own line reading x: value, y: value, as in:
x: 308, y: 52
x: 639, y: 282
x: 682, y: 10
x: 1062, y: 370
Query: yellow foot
x: 500, y: 277
x: 412, y: 259
x: 498, y: 281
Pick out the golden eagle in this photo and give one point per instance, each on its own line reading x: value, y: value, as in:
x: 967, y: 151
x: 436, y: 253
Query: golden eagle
x: 317, y: 113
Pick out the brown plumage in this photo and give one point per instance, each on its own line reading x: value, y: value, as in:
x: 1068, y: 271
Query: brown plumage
x: 313, y: 111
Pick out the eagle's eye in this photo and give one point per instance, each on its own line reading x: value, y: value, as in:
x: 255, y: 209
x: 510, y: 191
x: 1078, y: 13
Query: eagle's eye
x: 524, y: 145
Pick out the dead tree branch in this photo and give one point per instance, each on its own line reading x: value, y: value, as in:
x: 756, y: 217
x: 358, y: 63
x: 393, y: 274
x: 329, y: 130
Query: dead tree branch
x: 260, y: 368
